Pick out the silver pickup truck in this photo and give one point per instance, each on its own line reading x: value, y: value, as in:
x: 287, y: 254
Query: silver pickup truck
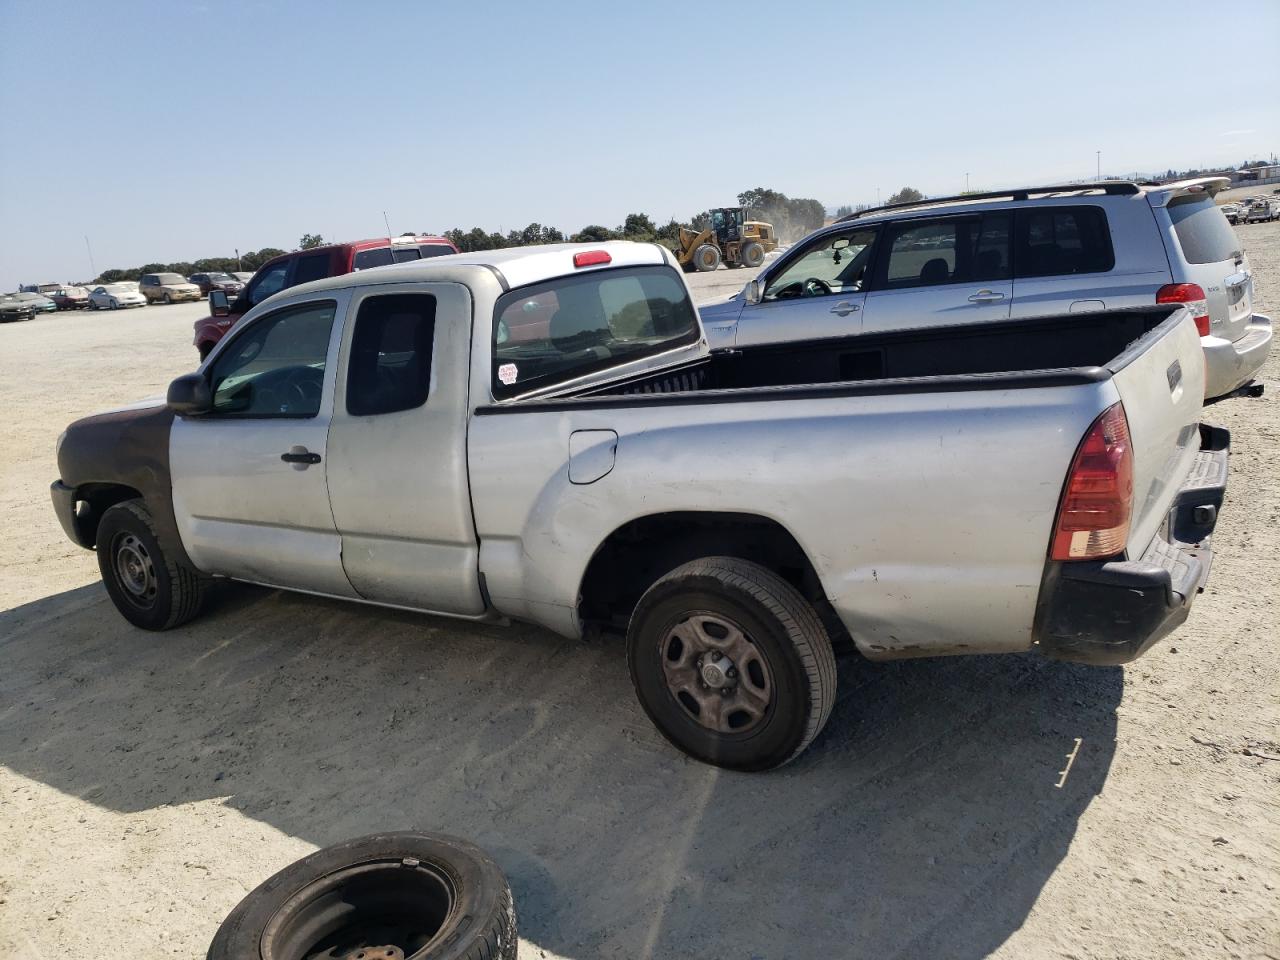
x: 543, y: 435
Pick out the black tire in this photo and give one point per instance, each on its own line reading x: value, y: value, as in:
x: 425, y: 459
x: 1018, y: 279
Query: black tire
x: 150, y: 589
x: 168, y: 299
x: 752, y: 255
x: 205, y: 349
x: 707, y: 257
x: 439, y: 897
x: 794, y: 661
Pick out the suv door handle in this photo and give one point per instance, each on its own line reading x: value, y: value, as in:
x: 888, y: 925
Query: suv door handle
x: 300, y: 455
x: 986, y: 296
x: 844, y: 308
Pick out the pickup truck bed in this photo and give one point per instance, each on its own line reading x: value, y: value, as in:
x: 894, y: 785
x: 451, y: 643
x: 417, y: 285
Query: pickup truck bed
x: 570, y: 454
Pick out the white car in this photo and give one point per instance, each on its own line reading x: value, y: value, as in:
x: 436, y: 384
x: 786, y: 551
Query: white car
x: 115, y: 296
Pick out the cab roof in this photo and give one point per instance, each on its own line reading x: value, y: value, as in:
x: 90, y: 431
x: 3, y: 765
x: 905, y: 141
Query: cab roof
x: 512, y: 266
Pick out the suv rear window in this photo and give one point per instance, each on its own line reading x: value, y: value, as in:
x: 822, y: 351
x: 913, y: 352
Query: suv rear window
x: 1059, y: 241
x: 551, y: 332
x: 1203, y: 232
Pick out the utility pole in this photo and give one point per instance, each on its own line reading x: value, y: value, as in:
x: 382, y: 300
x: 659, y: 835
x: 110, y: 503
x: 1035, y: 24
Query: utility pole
x: 966, y: 182
x: 239, y: 265
x: 1099, y: 155
x: 92, y: 268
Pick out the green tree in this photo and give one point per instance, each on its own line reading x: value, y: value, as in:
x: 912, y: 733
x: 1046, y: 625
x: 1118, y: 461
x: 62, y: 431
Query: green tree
x: 905, y: 195
x: 310, y: 241
x: 593, y: 233
x: 638, y: 226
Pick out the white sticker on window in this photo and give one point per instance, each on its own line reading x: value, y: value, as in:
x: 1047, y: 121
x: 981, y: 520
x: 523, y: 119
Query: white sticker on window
x: 508, y: 374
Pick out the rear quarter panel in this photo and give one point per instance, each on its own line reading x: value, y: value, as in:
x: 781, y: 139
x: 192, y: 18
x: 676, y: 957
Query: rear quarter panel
x: 927, y: 516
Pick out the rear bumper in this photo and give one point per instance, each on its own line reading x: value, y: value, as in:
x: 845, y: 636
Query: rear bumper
x: 1111, y: 612
x: 1229, y: 365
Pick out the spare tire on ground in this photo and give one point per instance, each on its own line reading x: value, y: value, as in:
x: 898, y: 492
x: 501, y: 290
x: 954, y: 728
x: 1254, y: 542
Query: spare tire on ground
x: 390, y: 896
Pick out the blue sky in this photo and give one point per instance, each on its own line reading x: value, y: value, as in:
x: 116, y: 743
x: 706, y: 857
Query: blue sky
x: 168, y: 131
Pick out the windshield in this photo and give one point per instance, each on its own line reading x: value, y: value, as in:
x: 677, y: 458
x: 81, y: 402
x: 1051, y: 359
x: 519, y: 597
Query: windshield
x: 1203, y: 232
x: 220, y: 278
x: 172, y: 278
x: 551, y: 332
x: 118, y: 288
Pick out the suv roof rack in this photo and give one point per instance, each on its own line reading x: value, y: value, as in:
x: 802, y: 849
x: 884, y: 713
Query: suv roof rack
x: 1110, y: 187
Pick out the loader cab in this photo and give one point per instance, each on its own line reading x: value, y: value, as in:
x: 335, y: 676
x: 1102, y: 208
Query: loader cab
x: 727, y: 223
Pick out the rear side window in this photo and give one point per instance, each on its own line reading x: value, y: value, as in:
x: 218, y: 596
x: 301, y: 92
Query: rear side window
x: 435, y: 250
x: 1060, y: 241
x: 365, y: 259
x: 1203, y: 232
x: 390, y: 365
x: 551, y: 332
x: 314, y: 267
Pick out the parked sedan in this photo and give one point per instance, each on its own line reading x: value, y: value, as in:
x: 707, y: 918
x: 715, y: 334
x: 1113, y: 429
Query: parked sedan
x: 168, y: 287
x: 208, y: 282
x: 39, y: 302
x: 11, y: 308
x: 115, y: 296
x: 70, y: 298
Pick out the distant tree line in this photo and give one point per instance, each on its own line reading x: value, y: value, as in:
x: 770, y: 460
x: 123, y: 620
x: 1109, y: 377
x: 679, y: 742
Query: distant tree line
x: 792, y: 217
x: 248, y: 261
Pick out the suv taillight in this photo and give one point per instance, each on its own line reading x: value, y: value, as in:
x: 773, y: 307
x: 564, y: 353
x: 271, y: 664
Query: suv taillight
x: 1093, y: 517
x: 1191, y: 294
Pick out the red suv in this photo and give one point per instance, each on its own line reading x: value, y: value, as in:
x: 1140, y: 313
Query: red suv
x: 302, y: 266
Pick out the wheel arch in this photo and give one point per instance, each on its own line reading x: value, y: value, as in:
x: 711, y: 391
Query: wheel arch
x: 92, y: 500
x: 641, y: 551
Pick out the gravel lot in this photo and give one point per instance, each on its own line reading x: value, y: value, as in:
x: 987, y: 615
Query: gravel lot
x: 147, y: 781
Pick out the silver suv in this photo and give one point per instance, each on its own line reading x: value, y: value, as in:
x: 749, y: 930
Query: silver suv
x: 1013, y: 254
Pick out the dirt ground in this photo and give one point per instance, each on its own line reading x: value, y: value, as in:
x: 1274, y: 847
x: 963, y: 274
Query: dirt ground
x: 148, y: 781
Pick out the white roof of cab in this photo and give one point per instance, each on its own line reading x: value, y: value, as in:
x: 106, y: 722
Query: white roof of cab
x: 520, y: 265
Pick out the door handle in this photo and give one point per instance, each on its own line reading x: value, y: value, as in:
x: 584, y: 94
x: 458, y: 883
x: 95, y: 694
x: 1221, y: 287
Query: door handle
x: 844, y: 308
x: 300, y: 455
x: 986, y: 296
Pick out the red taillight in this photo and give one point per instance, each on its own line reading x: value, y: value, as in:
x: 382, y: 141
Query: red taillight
x: 1191, y: 294
x: 590, y: 258
x: 1093, y: 518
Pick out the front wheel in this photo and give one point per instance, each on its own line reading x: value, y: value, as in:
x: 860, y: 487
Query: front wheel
x: 731, y: 663
x: 150, y: 589
x: 168, y: 299
x: 707, y: 257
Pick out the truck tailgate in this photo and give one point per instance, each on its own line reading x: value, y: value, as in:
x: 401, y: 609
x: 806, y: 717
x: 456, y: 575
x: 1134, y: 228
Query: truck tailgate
x: 1162, y: 388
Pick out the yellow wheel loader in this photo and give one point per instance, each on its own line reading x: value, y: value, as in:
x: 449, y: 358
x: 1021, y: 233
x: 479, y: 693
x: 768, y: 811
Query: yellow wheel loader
x: 729, y: 239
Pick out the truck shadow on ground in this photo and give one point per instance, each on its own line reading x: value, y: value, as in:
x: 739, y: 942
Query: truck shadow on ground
x: 923, y: 822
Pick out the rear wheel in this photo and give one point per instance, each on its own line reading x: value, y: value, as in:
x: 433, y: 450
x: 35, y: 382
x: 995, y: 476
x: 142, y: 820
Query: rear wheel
x: 752, y: 255
x: 205, y: 349
x: 731, y: 663
x: 707, y: 257
x: 150, y: 589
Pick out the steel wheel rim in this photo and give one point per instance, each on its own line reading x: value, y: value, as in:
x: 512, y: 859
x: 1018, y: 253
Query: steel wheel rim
x: 715, y: 673
x: 385, y: 909
x: 135, y: 570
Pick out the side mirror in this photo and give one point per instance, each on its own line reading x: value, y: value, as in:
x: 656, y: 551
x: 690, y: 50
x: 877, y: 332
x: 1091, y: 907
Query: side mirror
x: 189, y: 396
x: 753, y: 292
x: 219, y: 306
